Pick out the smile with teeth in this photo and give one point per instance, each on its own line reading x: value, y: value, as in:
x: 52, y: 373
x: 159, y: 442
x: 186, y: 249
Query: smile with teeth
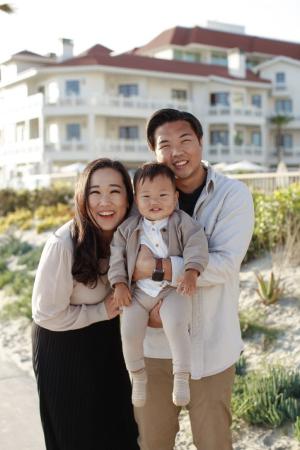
x: 180, y: 163
x: 105, y: 213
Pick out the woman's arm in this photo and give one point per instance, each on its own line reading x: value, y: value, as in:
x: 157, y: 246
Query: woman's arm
x: 52, y: 292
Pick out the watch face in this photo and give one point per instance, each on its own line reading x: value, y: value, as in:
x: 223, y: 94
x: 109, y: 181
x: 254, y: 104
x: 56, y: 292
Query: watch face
x: 158, y: 275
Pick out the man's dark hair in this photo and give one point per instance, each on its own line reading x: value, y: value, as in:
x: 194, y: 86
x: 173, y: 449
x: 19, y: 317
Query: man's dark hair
x: 166, y: 115
x: 150, y: 171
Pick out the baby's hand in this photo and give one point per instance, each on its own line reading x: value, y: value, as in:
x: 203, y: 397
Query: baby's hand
x: 187, y: 284
x: 122, y: 295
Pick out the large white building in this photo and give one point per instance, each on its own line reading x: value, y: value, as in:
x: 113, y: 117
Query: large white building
x: 56, y: 110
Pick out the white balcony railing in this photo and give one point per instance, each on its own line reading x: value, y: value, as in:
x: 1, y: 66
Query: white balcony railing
x: 22, y: 152
x: 123, y: 149
x: 107, y: 101
x: 246, y: 111
x: 226, y: 153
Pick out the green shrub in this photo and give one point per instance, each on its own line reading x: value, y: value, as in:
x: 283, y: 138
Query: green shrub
x: 270, y: 399
x: 31, y: 258
x: 17, y: 308
x: 273, y: 214
x: 11, y: 200
x: 297, y: 429
x: 6, y: 277
x: 253, y: 323
x: 21, y: 282
x: 269, y: 290
x: 241, y: 366
x: 14, y: 247
x: 21, y: 218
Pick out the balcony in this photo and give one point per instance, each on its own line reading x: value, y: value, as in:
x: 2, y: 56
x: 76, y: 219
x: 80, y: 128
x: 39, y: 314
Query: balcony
x: 223, y: 153
x: 68, y: 151
x: 19, y: 109
x: 22, y: 152
x: 123, y: 149
x: 246, y: 111
x: 291, y: 156
x: 110, y: 105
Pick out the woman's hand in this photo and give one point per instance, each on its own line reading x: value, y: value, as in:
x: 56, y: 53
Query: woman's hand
x: 145, y: 264
x: 122, y: 295
x: 111, y: 308
x: 154, y: 316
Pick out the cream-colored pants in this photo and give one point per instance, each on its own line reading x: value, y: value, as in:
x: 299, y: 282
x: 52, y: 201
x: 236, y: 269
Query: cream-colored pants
x: 175, y: 314
x: 209, y: 409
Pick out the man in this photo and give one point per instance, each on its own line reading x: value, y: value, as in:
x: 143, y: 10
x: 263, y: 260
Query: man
x: 224, y: 208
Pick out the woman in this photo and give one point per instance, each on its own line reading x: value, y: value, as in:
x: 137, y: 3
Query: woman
x: 83, y: 385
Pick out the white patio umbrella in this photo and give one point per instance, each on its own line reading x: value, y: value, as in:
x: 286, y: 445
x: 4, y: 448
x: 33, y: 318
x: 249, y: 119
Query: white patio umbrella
x: 244, y: 166
x: 220, y: 167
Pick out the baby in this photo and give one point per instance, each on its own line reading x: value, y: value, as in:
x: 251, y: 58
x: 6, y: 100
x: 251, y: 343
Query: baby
x: 166, y: 231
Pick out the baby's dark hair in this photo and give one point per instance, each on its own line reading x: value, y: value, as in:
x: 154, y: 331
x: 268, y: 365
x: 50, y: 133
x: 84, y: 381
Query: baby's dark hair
x: 150, y: 171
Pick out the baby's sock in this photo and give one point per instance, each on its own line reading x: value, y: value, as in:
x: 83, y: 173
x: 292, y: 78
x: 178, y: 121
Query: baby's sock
x: 181, y: 389
x: 139, y: 384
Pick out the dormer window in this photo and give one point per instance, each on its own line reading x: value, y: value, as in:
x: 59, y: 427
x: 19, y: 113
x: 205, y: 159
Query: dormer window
x: 280, y: 77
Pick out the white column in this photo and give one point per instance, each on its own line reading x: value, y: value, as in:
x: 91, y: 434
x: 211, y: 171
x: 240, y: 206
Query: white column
x: 91, y: 136
x: 231, y: 128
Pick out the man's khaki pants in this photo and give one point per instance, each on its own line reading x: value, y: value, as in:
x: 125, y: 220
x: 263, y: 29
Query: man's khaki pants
x: 209, y: 409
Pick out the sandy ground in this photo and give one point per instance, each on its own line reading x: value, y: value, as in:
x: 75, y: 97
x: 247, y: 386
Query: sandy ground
x: 15, y: 344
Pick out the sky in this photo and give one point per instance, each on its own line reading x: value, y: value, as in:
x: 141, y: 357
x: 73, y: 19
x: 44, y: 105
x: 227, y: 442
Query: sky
x: 122, y: 25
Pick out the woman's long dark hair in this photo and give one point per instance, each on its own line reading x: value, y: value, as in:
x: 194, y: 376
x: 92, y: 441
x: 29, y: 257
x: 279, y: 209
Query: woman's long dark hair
x: 89, y: 244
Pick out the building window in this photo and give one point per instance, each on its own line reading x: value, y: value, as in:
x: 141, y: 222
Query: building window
x: 283, y: 106
x: 238, y: 137
x: 219, y: 58
x: 128, y: 132
x: 20, y: 131
x: 280, y: 77
x: 72, y: 87
x: 256, y: 100
x: 128, y: 90
x: 73, y: 131
x: 179, y: 94
x: 219, y: 137
x: 33, y: 128
x: 285, y: 140
x: 187, y: 56
x: 219, y: 98
x: 256, y: 138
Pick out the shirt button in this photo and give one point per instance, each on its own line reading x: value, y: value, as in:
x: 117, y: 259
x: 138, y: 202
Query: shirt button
x: 156, y: 245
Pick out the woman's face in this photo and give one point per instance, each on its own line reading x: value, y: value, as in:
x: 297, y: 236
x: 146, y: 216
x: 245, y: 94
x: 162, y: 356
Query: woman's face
x: 107, y: 199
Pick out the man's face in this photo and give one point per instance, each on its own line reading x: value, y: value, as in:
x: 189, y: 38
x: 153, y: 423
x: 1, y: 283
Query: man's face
x: 177, y: 146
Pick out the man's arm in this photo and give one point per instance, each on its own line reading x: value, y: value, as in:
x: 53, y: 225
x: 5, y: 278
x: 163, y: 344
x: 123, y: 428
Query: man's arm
x: 231, y: 237
x: 145, y: 264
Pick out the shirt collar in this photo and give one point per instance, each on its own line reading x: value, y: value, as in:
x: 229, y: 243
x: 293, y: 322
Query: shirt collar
x: 158, y: 224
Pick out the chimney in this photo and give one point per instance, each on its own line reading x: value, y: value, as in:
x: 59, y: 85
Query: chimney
x: 65, y: 50
x: 237, y: 63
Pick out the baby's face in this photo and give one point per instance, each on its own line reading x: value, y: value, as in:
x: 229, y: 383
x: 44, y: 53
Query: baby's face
x: 156, y: 199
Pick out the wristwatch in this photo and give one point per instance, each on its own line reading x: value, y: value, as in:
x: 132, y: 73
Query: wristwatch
x: 158, y: 272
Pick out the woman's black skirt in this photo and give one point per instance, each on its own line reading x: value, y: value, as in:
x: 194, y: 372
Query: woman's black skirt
x: 84, y: 388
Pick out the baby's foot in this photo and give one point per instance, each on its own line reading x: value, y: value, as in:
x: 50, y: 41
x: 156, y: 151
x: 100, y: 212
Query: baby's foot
x: 181, y: 389
x: 139, y: 384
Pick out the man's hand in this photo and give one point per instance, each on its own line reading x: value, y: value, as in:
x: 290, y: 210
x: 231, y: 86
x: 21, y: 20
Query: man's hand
x: 111, y: 308
x: 154, y: 316
x: 145, y: 264
x: 187, y: 284
x: 122, y: 295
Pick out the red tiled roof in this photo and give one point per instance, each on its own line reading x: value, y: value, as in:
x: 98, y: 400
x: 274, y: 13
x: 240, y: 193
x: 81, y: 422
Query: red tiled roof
x: 182, y: 36
x: 28, y: 53
x: 97, y: 49
x: 130, y: 61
